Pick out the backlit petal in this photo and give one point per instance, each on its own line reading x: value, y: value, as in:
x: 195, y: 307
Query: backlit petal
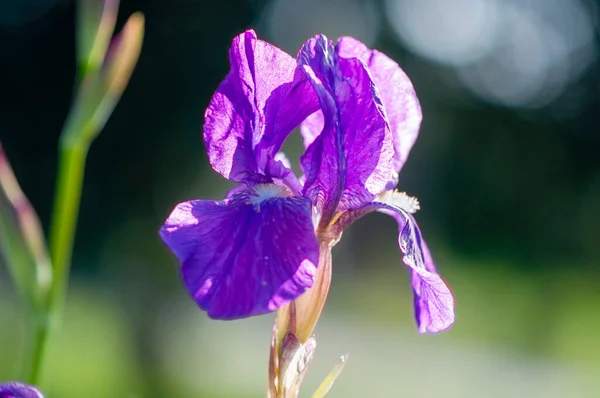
x: 397, y: 94
x: 246, y: 255
x: 349, y: 162
x: 433, y: 300
x: 260, y: 101
x: 434, y: 303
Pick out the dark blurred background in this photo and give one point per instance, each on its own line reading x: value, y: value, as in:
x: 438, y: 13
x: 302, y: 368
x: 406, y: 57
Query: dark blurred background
x: 507, y: 170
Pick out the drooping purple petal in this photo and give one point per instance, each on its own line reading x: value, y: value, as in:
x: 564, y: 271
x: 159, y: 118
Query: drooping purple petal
x: 349, y: 162
x: 246, y: 255
x: 433, y: 300
x: 15, y: 389
x: 434, y: 303
x: 260, y: 101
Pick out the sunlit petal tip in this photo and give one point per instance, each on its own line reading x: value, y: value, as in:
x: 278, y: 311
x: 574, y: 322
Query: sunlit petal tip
x: 433, y: 301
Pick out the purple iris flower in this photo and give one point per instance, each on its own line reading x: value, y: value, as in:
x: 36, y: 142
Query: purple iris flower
x: 259, y: 248
x: 13, y: 389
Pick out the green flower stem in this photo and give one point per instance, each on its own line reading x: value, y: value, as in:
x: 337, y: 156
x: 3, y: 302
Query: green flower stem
x: 40, y: 326
x: 97, y: 95
x: 72, y: 156
x: 64, y: 217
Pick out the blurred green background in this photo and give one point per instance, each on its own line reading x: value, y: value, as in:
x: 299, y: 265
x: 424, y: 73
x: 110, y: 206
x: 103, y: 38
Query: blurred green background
x: 507, y: 169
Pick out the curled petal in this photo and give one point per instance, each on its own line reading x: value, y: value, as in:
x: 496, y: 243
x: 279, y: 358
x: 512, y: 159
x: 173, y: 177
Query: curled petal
x: 397, y: 94
x: 433, y: 300
x: 13, y: 389
x: 434, y: 303
x: 246, y: 255
x: 349, y: 162
x: 260, y: 101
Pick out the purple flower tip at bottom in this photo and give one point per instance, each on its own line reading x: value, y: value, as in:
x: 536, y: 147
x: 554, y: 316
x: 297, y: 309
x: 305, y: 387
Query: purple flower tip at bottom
x: 14, y: 389
x: 258, y: 249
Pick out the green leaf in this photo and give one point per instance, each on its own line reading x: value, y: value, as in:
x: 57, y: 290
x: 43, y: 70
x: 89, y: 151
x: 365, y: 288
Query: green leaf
x: 22, y: 241
x: 331, y: 378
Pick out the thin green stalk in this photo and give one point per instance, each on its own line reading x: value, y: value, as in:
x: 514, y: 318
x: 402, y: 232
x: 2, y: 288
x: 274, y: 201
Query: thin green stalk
x: 64, y: 217
x: 97, y: 94
x: 40, y: 327
x: 72, y: 157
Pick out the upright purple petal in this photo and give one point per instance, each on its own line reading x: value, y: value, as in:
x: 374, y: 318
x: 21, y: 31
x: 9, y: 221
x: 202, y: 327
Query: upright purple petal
x: 260, y: 101
x: 349, y: 162
x: 246, y: 255
x: 14, y: 389
x: 397, y: 94
x: 433, y: 300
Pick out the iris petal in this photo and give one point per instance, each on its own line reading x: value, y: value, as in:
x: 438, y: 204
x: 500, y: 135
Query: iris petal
x: 433, y: 300
x: 246, y: 255
x: 260, y: 101
x: 349, y: 162
x: 434, y: 303
x: 397, y: 94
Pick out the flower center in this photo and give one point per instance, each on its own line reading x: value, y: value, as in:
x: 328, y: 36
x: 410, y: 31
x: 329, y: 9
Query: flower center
x: 268, y: 191
x: 401, y: 200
